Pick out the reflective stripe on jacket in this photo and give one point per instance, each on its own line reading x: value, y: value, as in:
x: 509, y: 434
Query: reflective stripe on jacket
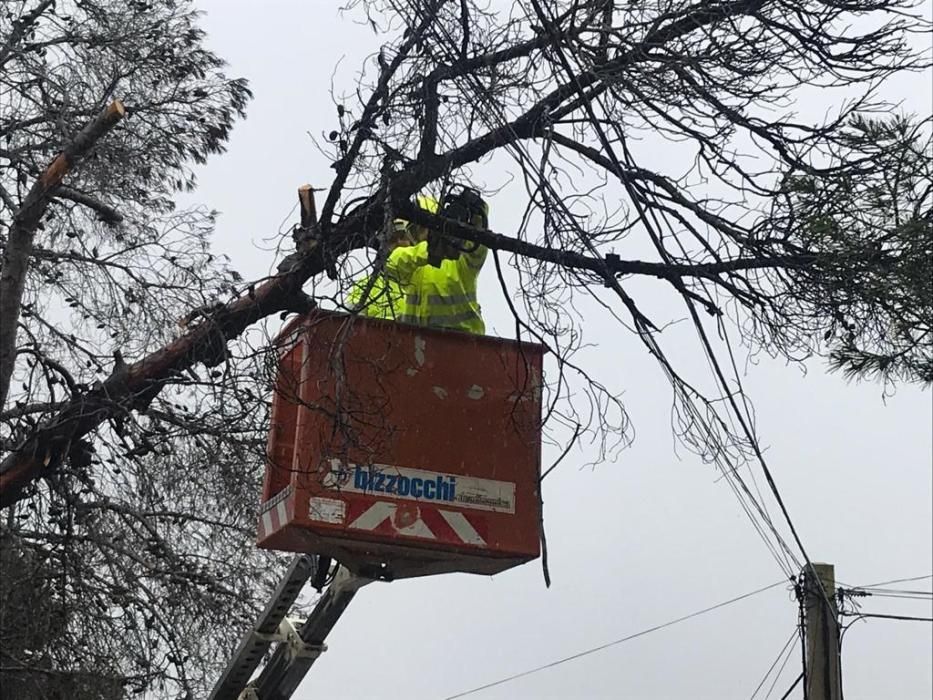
x: 443, y: 297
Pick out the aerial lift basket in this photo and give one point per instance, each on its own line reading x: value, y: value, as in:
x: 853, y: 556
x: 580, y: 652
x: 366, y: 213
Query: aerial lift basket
x: 401, y: 450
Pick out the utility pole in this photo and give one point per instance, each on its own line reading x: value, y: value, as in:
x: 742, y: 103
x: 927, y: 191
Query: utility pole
x: 824, y: 680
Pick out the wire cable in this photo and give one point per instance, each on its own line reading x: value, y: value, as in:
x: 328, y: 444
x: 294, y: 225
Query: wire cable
x: 791, y: 689
x: 897, y: 580
x: 861, y: 616
x: 904, y: 595
x: 780, y: 672
x: 781, y: 654
x: 613, y: 643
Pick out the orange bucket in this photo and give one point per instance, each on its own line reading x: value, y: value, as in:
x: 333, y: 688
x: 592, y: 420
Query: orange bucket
x: 402, y: 451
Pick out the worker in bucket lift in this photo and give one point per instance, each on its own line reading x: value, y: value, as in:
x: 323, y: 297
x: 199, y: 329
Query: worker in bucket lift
x: 430, y: 279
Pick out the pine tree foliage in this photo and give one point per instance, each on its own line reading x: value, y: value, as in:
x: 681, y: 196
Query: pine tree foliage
x: 869, y: 289
x: 119, y: 568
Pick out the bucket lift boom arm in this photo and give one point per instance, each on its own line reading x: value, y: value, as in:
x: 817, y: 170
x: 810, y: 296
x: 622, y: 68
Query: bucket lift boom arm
x: 297, y: 645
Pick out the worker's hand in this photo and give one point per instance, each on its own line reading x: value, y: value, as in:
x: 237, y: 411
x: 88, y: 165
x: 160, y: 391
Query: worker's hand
x: 441, y: 248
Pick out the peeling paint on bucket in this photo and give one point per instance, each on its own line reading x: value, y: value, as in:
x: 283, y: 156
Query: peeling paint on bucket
x: 475, y: 392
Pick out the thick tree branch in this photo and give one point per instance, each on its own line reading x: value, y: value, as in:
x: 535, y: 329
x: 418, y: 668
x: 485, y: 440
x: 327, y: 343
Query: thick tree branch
x: 207, y: 341
x: 105, y: 213
x: 26, y: 220
x: 591, y: 82
x: 30, y: 408
x: 431, y: 103
x: 136, y: 385
x: 612, y: 264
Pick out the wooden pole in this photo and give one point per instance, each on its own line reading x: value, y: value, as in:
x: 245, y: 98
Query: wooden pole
x: 822, y: 631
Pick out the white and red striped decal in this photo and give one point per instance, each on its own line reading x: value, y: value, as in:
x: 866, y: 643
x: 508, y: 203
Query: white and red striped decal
x: 459, y: 524
x: 274, y: 513
x: 423, y: 522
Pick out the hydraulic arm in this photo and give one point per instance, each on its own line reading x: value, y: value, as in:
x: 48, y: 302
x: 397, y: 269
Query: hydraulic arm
x: 297, y: 645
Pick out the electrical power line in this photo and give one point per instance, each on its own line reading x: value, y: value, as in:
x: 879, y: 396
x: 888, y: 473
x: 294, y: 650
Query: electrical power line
x: 593, y: 650
x: 791, y: 689
x: 897, y: 580
x: 878, y: 590
x: 777, y: 676
x: 860, y: 616
x: 781, y: 655
x: 905, y: 595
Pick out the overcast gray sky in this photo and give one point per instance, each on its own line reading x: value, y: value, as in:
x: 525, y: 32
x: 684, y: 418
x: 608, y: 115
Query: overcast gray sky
x: 649, y: 538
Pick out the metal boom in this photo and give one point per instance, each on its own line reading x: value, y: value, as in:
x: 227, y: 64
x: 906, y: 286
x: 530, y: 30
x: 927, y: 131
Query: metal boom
x: 297, y: 646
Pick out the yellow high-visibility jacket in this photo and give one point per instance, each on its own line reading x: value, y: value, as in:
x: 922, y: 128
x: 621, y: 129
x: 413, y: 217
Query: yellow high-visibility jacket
x: 385, y: 300
x: 443, y: 297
